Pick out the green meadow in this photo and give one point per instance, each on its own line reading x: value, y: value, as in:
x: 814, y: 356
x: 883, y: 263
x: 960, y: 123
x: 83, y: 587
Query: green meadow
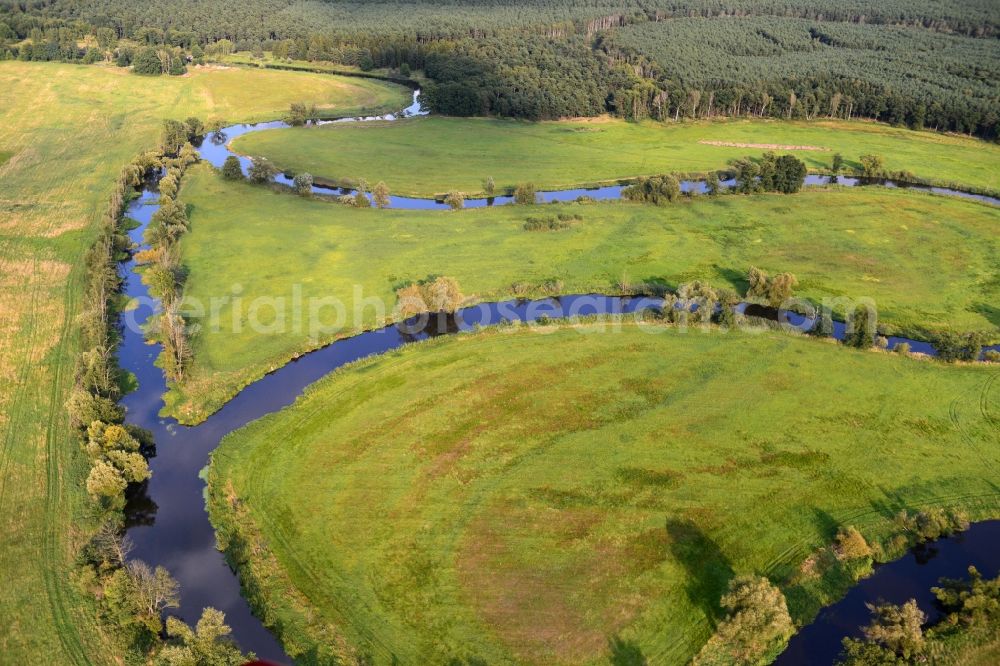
x: 66, y: 131
x: 427, y: 156
x: 880, y: 244
x: 584, y: 492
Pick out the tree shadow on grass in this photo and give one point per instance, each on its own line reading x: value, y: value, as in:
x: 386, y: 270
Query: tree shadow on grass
x: 708, y: 569
x: 991, y: 312
x: 625, y: 653
x: 736, y: 279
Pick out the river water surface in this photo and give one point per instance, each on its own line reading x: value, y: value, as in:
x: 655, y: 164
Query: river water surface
x: 167, y: 518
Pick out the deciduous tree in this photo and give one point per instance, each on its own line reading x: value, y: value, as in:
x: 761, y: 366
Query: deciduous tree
x: 231, y: 169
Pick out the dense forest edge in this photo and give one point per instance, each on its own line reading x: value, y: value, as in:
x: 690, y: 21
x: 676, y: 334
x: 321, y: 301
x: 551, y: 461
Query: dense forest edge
x: 914, y: 64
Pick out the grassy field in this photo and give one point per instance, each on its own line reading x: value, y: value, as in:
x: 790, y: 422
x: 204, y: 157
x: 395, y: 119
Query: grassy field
x: 581, y: 491
x: 882, y: 244
x: 67, y: 131
x: 425, y: 156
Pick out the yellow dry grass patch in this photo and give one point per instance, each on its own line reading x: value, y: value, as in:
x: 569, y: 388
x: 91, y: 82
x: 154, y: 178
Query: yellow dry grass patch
x: 20, y: 281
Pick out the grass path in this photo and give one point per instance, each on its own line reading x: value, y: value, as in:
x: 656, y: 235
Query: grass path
x: 581, y: 485
x: 426, y: 156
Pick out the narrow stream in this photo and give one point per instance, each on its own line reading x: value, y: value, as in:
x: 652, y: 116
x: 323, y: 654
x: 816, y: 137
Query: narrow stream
x: 166, y: 516
x: 215, y: 150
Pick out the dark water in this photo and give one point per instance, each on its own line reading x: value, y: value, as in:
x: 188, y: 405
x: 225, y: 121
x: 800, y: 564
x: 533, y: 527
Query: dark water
x: 215, y: 150
x: 167, y: 518
x: 910, y: 577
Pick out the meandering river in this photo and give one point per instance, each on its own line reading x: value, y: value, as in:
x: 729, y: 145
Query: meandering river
x: 216, y: 149
x: 167, y: 518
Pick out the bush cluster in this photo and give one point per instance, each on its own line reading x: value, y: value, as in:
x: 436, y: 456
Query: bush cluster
x: 551, y: 223
x: 434, y: 294
x: 897, y: 634
x: 657, y: 190
x: 770, y: 173
x: 163, y: 274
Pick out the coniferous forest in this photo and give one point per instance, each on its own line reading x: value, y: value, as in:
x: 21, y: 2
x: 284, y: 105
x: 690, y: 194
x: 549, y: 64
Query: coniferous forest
x: 919, y: 64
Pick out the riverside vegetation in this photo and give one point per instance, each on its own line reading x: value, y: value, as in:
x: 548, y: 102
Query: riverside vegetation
x: 68, y: 131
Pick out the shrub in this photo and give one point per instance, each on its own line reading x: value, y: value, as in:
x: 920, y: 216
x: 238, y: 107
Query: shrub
x: 231, y: 169
x: 195, y: 128
x: 85, y: 408
x: 895, y: 636
x: 955, y: 347
x: 933, y: 523
x: 147, y: 62
x: 106, y: 485
x: 770, y: 174
x: 361, y: 200
x: 123, y: 57
x: 823, y: 327
x: 380, y: 193
x: 525, y: 194
x: 861, y: 328
x: 902, y: 348
x: 992, y: 356
x: 756, y: 627
x: 872, y: 166
x: 261, y: 171
x: 712, y: 185
x: 774, y: 290
x: 455, y: 200
x: 562, y: 221
x: 176, y: 67
x: 436, y: 294
x: 303, y: 183
x: 726, y: 314
x: 297, y: 114
x: 850, y: 544
x: 657, y: 190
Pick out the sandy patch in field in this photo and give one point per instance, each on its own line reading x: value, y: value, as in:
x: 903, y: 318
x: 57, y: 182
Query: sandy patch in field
x: 765, y: 146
